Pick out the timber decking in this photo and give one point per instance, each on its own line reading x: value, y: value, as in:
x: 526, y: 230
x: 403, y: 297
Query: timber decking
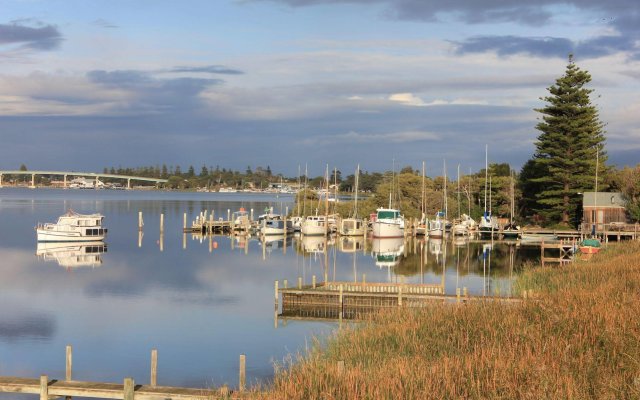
x: 10, y: 384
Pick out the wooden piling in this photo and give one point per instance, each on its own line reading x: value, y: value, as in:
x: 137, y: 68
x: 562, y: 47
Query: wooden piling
x: 285, y: 284
x: 128, y: 389
x: 299, y: 282
x: 313, y: 281
x: 458, y: 295
x: 154, y: 368
x: 140, y: 222
x: 69, y: 360
x: 44, y: 387
x: 276, y: 293
x: 364, y: 279
x: 242, y: 374
x: 400, y: 296
x: 162, y: 223
x: 184, y: 221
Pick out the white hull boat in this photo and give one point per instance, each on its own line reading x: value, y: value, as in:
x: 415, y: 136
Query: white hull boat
x: 73, y: 227
x: 352, y: 227
x: 388, y: 224
x: 314, y: 225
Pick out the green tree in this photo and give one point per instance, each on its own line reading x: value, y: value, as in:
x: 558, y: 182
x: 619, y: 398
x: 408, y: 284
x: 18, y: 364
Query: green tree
x: 571, y: 136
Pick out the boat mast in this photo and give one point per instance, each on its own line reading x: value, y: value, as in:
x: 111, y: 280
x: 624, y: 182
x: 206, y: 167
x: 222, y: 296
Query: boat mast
x: 422, y: 207
x: 298, y: 189
x: 486, y: 174
x: 512, y: 199
x: 446, y: 205
x: 326, y: 196
x: 304, y: 198
x: 459, y: 204
x: 355, y: 213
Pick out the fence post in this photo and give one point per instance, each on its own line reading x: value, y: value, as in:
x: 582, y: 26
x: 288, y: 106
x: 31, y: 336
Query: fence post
x: 44, y: 387
x: 128, y: 389
x: 242, y: 378
x: 154, y: 367
x: 69, y: 359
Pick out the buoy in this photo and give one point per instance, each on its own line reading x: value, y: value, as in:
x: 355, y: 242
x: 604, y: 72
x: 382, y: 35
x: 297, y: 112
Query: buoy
x: 215, y: 245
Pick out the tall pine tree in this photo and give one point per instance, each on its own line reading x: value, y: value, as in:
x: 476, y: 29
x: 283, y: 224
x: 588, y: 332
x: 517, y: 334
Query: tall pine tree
x: 565, y: 157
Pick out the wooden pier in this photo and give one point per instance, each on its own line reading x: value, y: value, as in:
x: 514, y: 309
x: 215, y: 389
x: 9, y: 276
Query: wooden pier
x: 49, y: 388
x: 565, y: 251
x: 352, y: 300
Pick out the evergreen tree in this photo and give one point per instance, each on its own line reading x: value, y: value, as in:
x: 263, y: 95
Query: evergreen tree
x: 565, y: 157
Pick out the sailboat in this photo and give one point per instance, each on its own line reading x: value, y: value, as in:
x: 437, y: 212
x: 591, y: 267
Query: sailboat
x: 438, y: 226
x: 511, y: 230
x: 353, y: 226
x: 317, y: 225
x: 592, y: 245
x: 422, y: 226
x: 389, y: 222
x: 488, y: 224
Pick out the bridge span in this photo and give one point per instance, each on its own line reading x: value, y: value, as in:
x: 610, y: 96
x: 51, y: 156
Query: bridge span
x: 66, y: 174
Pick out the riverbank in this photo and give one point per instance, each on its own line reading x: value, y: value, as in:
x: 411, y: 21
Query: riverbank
x: 578, y: 337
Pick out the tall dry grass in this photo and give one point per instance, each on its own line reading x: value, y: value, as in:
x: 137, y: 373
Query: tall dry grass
x: 579, y: 338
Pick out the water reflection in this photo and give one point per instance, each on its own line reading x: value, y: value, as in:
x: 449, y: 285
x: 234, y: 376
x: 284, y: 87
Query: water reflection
x: 72, y: 255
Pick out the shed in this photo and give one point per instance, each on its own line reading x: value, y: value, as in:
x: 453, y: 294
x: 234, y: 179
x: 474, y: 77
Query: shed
x: 603, y: 208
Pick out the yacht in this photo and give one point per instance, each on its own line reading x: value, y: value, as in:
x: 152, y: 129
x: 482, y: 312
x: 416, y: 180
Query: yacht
x: 437, y: 226
x: 73, y: 227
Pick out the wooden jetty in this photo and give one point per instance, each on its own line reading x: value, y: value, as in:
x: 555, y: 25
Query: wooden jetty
x: 565, y: 251
x: 354, y: 300
x: 127, y: 390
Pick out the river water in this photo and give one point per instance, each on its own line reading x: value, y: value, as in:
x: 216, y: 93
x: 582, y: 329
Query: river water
x: 200, y: 305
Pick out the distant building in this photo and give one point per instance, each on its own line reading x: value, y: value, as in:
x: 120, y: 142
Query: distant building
x: 603, y: 208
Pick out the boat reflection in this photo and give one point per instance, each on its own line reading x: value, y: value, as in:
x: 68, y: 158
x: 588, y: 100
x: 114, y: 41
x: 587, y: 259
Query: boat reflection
x: 387, y: 252
x: 351, y: 244
x: 314, y: 244
x: 72, y: 255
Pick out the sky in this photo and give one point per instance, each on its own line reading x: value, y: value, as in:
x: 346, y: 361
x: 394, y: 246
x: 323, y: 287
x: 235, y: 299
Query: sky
x: 88, y: 84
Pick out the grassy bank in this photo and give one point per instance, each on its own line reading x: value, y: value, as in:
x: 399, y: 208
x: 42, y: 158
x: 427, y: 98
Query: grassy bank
x: 579, y: 338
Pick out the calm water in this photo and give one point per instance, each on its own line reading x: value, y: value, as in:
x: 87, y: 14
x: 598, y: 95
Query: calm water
x: 200, y: 306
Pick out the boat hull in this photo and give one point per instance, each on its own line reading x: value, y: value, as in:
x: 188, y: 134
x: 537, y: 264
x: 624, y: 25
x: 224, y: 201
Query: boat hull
x: 387, y: 230
x: 58, y: 236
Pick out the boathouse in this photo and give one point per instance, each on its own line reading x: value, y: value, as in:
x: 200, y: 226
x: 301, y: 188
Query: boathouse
x: 603, y: 208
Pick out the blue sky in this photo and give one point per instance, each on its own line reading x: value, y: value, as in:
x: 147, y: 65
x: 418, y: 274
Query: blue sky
x: 93, y: 84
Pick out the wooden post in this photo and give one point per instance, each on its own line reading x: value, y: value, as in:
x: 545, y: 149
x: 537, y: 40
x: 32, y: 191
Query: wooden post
x: 128, y: 389
x: 465, y: 292
x: 243, y: 373
x: 276, y: 293
x: 67, y: 375
x: 184, y: 221
x: 162, y: 223
x: 154, y: 368
x: 542, y: 253
x: 285, y: 284
x: 228, y: 214
x: 364, y: 279
x: 341, y: 302
x: 44, y: 387
x: 299, y: 282
x: 458, y: 294
x: 140, y: 222
x: 400, y: 296
x: 313, y: 281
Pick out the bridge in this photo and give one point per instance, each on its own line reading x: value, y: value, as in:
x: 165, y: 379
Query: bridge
x: 93, y: 175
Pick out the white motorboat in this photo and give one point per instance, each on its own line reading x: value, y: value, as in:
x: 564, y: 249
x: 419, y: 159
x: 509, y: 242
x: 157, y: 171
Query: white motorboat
x: 73, y: 227
x: 314, y: 225
x: 388, y: 224
x: 437, y: 226
x: 352, y: 227
x: 72, y: 255
x: 275, y: 226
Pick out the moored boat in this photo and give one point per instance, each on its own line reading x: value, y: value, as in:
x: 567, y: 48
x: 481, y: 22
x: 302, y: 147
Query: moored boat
x: 314, y: 225
x: 590, y: 246
x: 73, y: 227
x: 388, y: 224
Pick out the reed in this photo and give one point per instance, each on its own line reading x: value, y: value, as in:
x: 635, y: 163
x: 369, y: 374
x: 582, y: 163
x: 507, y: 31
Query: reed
x: 579, y: 337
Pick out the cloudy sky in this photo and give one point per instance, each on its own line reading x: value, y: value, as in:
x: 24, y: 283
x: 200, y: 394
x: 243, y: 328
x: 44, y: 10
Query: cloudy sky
x: 87, y: 84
